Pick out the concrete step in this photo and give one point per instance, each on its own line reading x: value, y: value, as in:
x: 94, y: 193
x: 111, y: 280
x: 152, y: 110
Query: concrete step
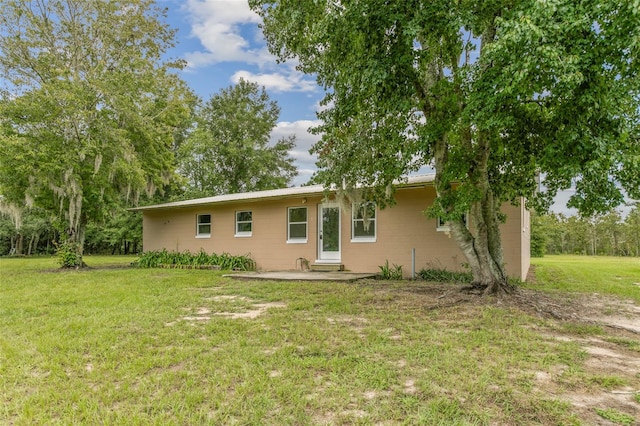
x: 327, y: 267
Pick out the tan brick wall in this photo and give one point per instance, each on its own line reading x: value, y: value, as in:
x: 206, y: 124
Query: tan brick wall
x: 399, y: 229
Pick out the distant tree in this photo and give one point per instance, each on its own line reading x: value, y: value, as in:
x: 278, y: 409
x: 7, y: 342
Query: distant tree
x: 632, y: 231
x: 7, y: 232
x: 610, y: 233
x: 539, y: 235
x: 25, y: 231
x: 229, y: 150
x: 551, y: 225
x: 14, y: 216
x: 578, y: 235
x: 120, y: 233
x: 489, y: 93
x: 90, y: 106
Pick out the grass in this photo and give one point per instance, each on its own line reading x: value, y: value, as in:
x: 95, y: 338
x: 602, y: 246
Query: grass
x: 615, y: 416
x: 161, y: 346
x: 619, y: 276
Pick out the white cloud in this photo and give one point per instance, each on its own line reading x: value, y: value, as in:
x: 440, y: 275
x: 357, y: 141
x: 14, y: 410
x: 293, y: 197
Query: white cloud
x: 318, y: 107
x: 305, y: 162
x: 278, y: 82
x: 228, y: 31
x: 217, y: 24
x: 223, y: 10
x: 304, y: 139
x: 303, y: 176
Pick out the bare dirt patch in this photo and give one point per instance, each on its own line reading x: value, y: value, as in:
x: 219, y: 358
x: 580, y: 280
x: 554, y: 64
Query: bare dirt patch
x: 357, y: 324
x: 258, y: 310
x: 243, y: 308
x: 410, y: 386
x: 610, y: 375
x: 614, y: 370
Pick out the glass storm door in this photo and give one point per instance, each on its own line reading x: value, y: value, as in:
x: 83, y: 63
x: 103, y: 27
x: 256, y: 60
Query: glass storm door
x: 329, y: 232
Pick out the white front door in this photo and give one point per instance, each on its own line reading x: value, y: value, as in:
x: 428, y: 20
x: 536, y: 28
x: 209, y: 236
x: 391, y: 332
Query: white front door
x: 329, y: 232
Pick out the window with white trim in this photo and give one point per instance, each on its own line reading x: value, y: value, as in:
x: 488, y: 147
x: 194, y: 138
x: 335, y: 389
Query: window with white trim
x: 203, y: 226
x: 363, y: 222
x: 297, y: 225
x: 443, y: 225
x: 244, y: 223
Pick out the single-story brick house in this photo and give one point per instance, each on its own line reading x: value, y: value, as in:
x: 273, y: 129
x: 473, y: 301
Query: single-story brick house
x: 286, y: 229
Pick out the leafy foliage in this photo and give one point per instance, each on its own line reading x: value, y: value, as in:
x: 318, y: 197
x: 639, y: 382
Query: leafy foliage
x: 26, y: 232
x: 90, y: 108
x: 390, y: 272
x: 443, y: 275
x: 229, y: 150
x: 164, y: 258
x: 67, y: 253
x: 615, y: 416
x: 607, y: 234
x: 490, y: 94
x: 120, y: 233
x: 538, y: 239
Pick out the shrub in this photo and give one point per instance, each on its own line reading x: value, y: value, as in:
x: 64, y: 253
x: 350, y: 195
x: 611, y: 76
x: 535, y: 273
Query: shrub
x: 441, y: 274
x: 390, y: 272
x: 186, y: 259
x: 538, y: 244
x: 68, y: 256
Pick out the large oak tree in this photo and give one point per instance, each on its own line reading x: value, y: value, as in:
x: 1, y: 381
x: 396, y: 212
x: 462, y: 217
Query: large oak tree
x: 489, y: 93
x: 229, y: 151
x: 89, y: 105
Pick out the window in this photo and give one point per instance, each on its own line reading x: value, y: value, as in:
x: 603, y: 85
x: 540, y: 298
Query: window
x: 203, y: 226
x: 363, y: 222
x: 443, y: 225
x: 243, y: 224
x: 297, y: 225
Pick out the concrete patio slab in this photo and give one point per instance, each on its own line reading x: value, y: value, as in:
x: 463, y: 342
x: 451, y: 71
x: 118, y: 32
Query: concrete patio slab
x: 301, y: 276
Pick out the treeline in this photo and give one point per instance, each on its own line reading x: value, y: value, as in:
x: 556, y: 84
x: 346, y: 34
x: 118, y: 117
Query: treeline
x: 121, y: 233
x: 604, y: 235
x: 38, y: 233
x: 106, y: 123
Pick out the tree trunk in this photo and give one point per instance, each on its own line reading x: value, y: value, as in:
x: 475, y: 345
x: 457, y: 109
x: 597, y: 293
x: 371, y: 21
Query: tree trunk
x: 483, y: 250
x: 31, y: 240
x: 480, y: 242
x: 19, y: 244
x: 77, y: 236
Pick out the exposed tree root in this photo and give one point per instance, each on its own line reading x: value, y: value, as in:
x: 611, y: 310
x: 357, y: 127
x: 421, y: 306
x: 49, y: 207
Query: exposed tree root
x: 474, y: 288
x: 542, y: 307
x: 445, y: 305
x: 489, y: 290
x: 83, y: 265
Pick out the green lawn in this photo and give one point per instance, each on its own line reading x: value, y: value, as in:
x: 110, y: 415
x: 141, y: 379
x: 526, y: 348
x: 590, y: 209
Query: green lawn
x: 132, y: 346
x: 618, y: 276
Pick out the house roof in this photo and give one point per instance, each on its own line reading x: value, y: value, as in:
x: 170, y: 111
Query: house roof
x: 297, y: 191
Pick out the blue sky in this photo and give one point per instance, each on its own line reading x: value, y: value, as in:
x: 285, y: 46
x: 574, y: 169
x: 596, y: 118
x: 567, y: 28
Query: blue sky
x: 221, y: 42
